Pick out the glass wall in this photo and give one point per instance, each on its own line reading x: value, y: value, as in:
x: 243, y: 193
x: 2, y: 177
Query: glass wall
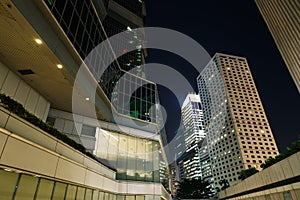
x: 80, y: 23
x: 134, y: 158
x: 15, y: 186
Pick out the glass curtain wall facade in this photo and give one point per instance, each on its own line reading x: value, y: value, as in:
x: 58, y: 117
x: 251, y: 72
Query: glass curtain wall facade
x: 134, y: 158
x: 22, y: 186
x: 192, y: 133
x: 81, y: 24
x: 192, y: 118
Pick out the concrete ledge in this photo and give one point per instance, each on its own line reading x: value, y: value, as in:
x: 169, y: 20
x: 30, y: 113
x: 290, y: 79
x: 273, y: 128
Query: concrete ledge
x: 22, y: 154
x: 31, y: 133
x: 35, y: 151
x: 277, y: 178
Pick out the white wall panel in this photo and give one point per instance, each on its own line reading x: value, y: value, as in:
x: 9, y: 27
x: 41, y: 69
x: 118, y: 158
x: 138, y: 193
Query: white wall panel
x: 70, y: 171
x: 3, y: 118
x: 68, y: 152
x: 25, y: 156
x: 68, y: 128
x: 40, y: 106
x: 59, y: 124
x: 3, y: 138
x: 94, y: 179
x: 3, y: 74
x: 22, y: 92
x: 25, y: 130
x: 10, y: 85
x: 46, y: 111
x: 88, y: 162
x: 32, y: 100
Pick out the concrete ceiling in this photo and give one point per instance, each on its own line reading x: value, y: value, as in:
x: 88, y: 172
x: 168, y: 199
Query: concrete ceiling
x: 19, y: 51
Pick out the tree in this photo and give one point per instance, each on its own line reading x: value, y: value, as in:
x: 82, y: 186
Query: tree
x: 248, y: 172
x: 224, y: 184
x: 194, y: 189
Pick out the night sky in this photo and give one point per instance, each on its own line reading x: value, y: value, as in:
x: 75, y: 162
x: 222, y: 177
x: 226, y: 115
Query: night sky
x: 232, y: 27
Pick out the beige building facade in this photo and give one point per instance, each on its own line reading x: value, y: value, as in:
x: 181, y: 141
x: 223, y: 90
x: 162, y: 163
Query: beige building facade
x: 238, y: 132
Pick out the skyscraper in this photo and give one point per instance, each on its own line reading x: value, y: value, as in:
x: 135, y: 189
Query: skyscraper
x: 237, y: 130
x: 282, y: 19
x: 43, y: 44
x: 192, y: 120
x: 192, y: 134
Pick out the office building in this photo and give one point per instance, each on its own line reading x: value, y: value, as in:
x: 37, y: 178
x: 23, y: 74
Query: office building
x: 192, y: 120
x: 282, y: 19
x: 205, y: 164
x: 192, y: 135
x: 189, y: 165
x: 178, y: 143
x: 42, y: 46
x: 237, y: 130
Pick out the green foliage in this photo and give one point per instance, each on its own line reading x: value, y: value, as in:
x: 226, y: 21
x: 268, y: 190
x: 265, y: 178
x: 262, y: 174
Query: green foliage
x: 224, y: 184
x: 194, y: 189
x: 17, y: 108
x: 295, y: 147
x: 248, y: 172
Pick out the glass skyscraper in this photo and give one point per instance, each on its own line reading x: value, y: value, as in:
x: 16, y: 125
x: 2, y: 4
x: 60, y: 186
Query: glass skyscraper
x: 192, y: 135
x: 81, y: 23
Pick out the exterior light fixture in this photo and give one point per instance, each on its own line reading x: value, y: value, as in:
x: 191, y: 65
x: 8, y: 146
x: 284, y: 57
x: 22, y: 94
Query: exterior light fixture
x: 59, y: 66
x: 38, y: 41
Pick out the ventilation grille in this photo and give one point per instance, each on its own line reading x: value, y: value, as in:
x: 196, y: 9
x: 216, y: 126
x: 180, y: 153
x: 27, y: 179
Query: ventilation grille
x: 26, y: 71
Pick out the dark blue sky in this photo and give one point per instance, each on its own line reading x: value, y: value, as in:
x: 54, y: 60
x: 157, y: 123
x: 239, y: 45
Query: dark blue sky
x: 233, y: 27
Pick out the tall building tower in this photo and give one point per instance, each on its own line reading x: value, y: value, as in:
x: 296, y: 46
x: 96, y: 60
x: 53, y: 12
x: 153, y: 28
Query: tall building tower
x: 238, y: 133
x: 282, y: 18
x: 192, y: 120
x: 192, y: 135
x: 43, y: 44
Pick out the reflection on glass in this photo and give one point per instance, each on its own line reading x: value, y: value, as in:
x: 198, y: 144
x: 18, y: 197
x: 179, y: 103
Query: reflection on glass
x: 134, y: 158
x: 88, y: 194
x: 59, y: 191
x: 45, y: 190
x: 26, y: 188
x: 101, y: 195
x: 95, y: 195
x: 8, y: 186
x: 80, y: 193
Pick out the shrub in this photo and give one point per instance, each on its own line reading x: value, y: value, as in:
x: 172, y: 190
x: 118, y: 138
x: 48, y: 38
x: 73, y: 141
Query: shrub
x: 247, y: 173
x: 295, y: 147
x: 18, y: 109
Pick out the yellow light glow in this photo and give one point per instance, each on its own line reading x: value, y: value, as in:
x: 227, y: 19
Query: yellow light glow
x: 59, y: 66
x: 38, y: 41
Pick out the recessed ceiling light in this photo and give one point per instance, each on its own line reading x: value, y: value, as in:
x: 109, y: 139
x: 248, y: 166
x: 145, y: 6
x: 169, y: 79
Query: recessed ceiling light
x: 87, y: 99
x: 59, y: 66
x: 38, y: 41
